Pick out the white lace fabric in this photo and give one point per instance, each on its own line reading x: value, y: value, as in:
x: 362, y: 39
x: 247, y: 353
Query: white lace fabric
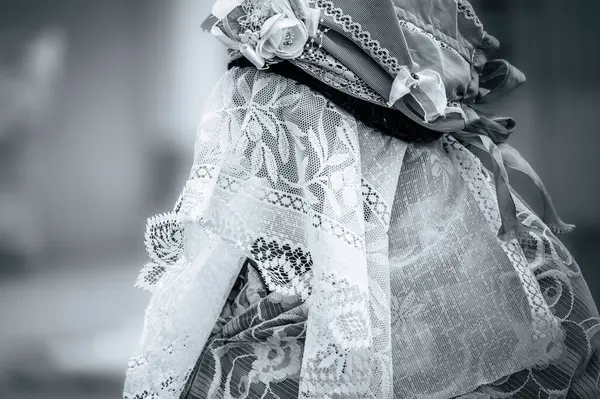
x: 392, y: 245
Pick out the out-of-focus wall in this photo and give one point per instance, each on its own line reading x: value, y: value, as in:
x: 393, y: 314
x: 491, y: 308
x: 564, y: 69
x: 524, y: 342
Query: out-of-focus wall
x: 552, y: 41
x: 81, y: 172
x: 122, y: 120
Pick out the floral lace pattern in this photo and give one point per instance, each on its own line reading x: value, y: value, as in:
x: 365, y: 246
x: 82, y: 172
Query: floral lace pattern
x: 164, y: 245
x: 282, y: 263
x: 256, y: 346
x: 380, y: 256
x: 573, y: 370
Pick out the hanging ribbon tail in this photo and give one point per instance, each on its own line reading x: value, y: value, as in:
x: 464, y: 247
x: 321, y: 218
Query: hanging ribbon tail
x: 515, y: 160
x: 497, y: 79
x: 427, y: 89
x: 497, y: 128
x: 508, y: 211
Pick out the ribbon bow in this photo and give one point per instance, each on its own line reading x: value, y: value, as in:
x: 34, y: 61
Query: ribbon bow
x: 427, y: 89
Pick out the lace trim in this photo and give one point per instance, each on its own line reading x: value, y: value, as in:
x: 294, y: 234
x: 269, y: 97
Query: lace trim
x: 414, y: 28
x: 467, y: 10
x: 357, y: 88
x: 279, y: 261
x: 162, y: 369
x: 164, y: 245
x: 372, y: 200
x: 163, y: 239
x: 348, y: 285
x: 328, y: 69
x: 203, y: 172
x: 282, y: 262
x: 545, y: 324
x: 296, y: 203
x: 360, y: 35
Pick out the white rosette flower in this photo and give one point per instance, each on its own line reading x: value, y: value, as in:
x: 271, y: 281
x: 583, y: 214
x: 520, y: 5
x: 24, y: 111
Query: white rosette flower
x: 283, y: 35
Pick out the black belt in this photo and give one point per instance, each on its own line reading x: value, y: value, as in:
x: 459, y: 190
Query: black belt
x: 388, y: 121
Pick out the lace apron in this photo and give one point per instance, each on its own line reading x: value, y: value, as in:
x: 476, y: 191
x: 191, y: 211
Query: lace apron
x: 351, y: 265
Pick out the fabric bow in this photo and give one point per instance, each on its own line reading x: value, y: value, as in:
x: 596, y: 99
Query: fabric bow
x: 282, y: 35
x: 427, y: 89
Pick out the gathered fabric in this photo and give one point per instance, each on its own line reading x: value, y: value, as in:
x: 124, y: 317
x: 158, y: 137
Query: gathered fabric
x: 377, y: 269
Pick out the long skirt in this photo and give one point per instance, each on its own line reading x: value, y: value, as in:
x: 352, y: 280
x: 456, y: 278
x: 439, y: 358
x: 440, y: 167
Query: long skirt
x: 255, y: 349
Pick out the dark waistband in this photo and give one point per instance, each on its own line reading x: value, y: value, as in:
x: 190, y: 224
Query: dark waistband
x: 388, y: 121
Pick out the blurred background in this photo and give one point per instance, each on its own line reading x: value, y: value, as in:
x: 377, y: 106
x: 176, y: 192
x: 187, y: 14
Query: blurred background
x: 98, y: 108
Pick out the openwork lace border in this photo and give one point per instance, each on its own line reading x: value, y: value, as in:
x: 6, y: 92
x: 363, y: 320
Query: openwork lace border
x: 375, y: 204
x: 295, y: 203
x: 336, y: 76
x: 164, y: 232
x: 360, y: 35
x: 467, y: 10
x: 545, y: 324
x: 414, y: 28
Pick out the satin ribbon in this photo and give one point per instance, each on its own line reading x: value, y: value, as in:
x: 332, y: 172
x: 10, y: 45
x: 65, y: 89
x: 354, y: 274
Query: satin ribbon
x: 498, y: 78
x: 426, y: 87
x: 490, y: 133
x: 245, y: 49
x: 312, y: 20
x: 252, y: 56
x: 223, y: 38
x: 492, y: 141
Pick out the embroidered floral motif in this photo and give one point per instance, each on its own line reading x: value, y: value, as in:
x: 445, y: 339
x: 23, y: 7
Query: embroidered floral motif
x: 276, y: 360
x: 281, y: 262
